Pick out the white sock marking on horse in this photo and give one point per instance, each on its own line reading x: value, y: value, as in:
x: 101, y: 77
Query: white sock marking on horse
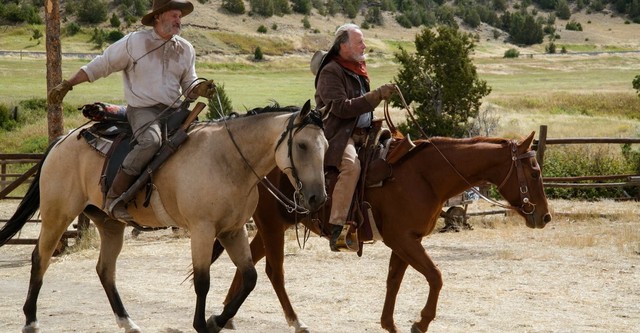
x: 31, y: 328
x: 128, y: 325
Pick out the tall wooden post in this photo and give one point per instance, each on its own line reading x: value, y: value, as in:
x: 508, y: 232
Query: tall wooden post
x: 54, y: 65
x: 542, y: 145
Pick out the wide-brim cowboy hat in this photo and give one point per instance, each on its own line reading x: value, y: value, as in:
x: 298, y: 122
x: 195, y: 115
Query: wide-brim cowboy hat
x: 316, y: 61
x: 161, y: 6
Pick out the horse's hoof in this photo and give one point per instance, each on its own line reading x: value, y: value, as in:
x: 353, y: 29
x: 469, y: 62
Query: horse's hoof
x: 212, y: 326
x: 31, y: 328
x: 230, y: 325
x: 415, y: 329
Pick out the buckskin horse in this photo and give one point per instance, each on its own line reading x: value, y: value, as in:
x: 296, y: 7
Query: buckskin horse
x: 209, y: 187
x: 405, y: 209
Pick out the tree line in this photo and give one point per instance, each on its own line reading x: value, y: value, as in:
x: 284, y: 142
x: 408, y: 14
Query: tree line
x: 526, y: 22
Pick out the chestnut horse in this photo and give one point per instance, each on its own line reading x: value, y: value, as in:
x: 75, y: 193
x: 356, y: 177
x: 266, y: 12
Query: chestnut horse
x: 405, y: 209
x: 209, y: 187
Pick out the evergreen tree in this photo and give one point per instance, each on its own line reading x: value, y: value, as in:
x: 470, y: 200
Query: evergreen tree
x: 442, y: 81
x: 215, y: 110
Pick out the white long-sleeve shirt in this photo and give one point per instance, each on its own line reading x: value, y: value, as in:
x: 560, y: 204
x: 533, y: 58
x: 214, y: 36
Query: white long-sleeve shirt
x: 153, y: 72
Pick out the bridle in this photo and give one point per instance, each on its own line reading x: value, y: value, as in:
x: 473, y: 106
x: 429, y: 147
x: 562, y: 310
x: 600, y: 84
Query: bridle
x: 312, y: 118
x: 527, y: 206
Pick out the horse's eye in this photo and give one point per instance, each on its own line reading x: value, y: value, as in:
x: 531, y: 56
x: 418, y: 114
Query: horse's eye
x: 302, y: 146
x: 535, y: 174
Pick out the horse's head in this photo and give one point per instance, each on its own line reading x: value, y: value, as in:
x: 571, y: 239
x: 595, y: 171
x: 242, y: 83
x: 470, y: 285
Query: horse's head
x: 522, y: 186
x: 300, y: 155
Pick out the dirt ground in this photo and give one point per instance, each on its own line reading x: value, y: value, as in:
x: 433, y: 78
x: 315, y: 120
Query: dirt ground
x: 580, y: 274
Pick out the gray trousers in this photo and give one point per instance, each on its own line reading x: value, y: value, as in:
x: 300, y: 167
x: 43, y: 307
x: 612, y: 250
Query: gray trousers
x: 147, y: 131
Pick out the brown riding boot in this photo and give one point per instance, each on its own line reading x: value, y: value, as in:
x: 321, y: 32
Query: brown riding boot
x: 115, y: 207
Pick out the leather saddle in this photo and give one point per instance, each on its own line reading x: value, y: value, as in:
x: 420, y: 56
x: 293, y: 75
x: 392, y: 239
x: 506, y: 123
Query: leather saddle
x: 381, y: 150
x: 112, y: 137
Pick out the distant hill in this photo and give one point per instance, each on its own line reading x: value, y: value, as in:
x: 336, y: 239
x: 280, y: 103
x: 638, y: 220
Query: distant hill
x: 215, y: 32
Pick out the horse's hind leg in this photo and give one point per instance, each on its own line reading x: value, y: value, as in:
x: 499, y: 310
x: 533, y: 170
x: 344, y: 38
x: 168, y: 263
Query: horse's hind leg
x: 237, y: 245
x: 411, y: 251
x: 111, y: 241
x: 50, y: 235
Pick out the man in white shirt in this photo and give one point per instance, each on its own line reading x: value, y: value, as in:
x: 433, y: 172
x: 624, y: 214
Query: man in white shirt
x: 158, y: 66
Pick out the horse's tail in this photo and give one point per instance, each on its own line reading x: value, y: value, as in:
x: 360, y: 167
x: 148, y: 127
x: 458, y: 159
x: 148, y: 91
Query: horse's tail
x: 27, y: 207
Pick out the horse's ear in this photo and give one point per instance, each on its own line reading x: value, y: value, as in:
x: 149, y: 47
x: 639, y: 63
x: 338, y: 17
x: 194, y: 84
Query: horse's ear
x: 526, y: 143
x: 305, y: 109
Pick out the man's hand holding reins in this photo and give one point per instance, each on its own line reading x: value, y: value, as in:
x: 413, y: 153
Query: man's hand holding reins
x: 383, y: 92
x: 204, y: 89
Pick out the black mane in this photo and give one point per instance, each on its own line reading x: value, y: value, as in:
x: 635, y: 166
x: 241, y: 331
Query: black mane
x: 274, y: 107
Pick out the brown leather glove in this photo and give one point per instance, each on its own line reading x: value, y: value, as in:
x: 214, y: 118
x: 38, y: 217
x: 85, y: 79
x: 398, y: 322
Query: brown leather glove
x: 204, y: 89
x: 385, y: 91
x: 57, y: 93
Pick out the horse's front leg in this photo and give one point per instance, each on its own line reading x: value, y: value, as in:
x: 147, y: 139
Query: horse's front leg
x: 257, y: 253
x: 111, y: 241
x: 237, y: 245
x: 397, y: 268
x: 410, y: 250
x: 201, y: 249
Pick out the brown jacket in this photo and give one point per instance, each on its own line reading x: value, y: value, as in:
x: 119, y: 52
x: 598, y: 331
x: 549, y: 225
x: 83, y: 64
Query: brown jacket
x: 341, y: 92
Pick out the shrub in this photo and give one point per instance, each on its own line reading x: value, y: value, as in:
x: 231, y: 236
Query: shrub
x: 305, y: 22
x: 636, y: 84
x: 262, y: 29
x: 92, y: 11
x: 573, y: 25
x: 551, y: 48
x: 21, y: 13
x: 114, y: 35
x: 233, y: 6
x: 585, y: 160
x: 114, y: 21
x: 257, y: 55
x: 219, y: 108
x: 7, y: 118
x: 301, y: 6
x: 511, y: 53
x: 72, y: 28
x: 404, y: 21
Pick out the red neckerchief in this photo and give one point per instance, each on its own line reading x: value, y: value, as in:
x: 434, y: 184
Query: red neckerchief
x: 358, y: 67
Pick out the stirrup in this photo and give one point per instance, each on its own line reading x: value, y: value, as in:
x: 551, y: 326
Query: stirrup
x: 122, y: 214
x: 348, y: 239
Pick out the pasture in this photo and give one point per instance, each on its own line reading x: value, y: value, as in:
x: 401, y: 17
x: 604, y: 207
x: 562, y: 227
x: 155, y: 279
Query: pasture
x: 579, y: 274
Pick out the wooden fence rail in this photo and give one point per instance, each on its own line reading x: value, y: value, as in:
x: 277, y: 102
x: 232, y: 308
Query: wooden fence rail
x: 600, y: 181
x: 10, y: 180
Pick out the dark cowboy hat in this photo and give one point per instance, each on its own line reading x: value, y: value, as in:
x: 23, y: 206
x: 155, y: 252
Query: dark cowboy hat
x: 161, y: 6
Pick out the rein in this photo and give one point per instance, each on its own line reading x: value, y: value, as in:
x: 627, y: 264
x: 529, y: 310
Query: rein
x: 527, y: 206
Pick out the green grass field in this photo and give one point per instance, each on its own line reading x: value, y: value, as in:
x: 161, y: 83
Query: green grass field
x: 574, y: 95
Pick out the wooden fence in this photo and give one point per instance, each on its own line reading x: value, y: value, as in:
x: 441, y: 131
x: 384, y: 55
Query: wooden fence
x: 600, y: 181
x: 11, y: 180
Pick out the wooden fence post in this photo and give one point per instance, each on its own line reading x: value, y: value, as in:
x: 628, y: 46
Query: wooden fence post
x: 54, y: 65
x: 542, y: 145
